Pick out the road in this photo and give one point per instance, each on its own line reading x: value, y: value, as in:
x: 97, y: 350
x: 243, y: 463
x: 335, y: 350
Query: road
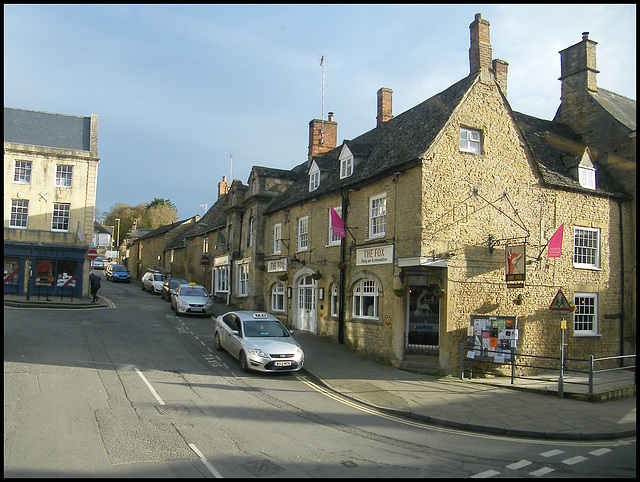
x: 133, y: 390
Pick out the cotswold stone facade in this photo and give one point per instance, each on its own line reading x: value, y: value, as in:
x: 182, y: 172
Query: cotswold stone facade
x: 449, y: 209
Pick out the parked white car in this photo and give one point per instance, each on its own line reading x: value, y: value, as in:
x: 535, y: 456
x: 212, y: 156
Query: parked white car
x: 153, y: 281
x: 259, y: 341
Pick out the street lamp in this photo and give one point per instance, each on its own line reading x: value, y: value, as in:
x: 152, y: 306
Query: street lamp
x: 118, y: 239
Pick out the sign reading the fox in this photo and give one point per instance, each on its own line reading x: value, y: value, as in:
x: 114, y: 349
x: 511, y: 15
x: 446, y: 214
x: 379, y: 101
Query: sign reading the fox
x: 515, y: 263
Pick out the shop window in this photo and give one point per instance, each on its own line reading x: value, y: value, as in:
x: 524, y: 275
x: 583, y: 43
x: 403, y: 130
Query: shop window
x: 11, y: 271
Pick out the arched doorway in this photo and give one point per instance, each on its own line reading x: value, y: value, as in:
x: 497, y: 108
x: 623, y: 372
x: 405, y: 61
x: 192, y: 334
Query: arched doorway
x: 305, y: 289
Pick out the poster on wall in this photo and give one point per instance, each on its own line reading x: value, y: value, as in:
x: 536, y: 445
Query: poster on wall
x: 493, y: 337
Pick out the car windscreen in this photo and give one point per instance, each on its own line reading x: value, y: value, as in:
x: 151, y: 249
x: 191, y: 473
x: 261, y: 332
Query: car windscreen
x: 119, y: 268
x: 173, y: 282
x: 264, y: 328
x: 159, y: 277
x: 193, y: 291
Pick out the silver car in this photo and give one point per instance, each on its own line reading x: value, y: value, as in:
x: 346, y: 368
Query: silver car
x: 191, y: 298
x: 259, y: 341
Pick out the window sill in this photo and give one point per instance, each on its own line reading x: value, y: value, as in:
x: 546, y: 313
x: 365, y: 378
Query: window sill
x: 587, y: 335
x: 587, y: 266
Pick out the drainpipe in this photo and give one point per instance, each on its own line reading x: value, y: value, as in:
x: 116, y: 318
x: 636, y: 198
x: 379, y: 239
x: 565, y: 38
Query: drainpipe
x: 622, y: 280
x: 343, y: 248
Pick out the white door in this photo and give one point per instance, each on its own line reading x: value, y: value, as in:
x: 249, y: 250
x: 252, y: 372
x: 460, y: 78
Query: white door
x: 306, y: 319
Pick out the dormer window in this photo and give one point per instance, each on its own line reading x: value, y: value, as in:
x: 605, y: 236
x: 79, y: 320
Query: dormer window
x: 346, y: 162
x: 314, y: 177
x: 470, y: 140
x: 587, y: 177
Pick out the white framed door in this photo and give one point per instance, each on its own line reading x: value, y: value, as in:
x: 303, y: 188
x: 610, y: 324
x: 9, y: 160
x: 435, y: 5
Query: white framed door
x: 306, y: 317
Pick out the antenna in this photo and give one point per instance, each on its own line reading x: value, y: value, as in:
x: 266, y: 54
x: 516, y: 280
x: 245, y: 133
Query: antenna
x: 205, y: 206
x: 231, y: 168
x: 322, y: 131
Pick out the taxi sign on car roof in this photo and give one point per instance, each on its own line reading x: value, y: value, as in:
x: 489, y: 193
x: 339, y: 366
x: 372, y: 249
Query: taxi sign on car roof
x: 260, y: 315
x: 192, y: 284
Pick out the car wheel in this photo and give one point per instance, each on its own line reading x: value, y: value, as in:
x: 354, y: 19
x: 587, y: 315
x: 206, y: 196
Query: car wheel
x: 216, y: 342
x: 244, y: 364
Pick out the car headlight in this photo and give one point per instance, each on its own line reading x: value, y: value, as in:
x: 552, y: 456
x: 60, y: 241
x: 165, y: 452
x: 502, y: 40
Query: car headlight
x: 299, y: 351
x: 257, y: 352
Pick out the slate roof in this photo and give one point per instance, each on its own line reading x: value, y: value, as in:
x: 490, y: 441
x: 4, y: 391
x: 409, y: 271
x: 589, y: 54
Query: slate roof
x: 163, y: 229
x: 46, y: 129
x: 215, y: 218
x: 556, y: 149
x: 620, y: 107
x: 402, y: 140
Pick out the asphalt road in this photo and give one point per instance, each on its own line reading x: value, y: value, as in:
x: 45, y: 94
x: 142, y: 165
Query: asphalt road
x: 133, y: 390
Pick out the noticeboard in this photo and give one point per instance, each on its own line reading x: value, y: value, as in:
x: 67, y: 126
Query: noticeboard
x: 492, y: 337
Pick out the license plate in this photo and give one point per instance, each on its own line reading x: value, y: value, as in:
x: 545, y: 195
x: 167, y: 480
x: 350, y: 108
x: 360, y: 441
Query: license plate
x: 282, y: 364
x: 197, y: 309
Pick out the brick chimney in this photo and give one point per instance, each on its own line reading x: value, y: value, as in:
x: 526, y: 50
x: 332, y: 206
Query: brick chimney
x: 501, y: 69
x: 323, y: 136
x: 223, y: 187
x: 384, y: 106
x: 480, y: 50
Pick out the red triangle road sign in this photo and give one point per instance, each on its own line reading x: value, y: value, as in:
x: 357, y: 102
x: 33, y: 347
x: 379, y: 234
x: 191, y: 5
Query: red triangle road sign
x: 560, y: 302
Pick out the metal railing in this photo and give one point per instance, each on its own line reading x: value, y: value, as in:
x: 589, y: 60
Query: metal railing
x: 585, y: 370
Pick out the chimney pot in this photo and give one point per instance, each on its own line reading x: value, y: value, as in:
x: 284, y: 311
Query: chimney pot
x: 330, y: 116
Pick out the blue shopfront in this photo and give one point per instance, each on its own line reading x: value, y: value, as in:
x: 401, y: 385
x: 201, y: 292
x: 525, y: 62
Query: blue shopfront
x: 44, y: 270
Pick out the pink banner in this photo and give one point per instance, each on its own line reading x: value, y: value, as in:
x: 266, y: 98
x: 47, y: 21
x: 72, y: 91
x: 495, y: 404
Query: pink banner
x: 337, y: 225
x: 555, y: 243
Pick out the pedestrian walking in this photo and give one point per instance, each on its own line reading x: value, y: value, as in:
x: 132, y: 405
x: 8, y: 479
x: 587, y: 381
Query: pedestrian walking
x: 94, y: 281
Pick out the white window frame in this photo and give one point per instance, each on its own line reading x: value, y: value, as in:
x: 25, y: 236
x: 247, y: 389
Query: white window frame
x: 314, y: 178
x: 585, y: 318
x: 61, y: 216
x: 251, y: 228
x: 303, y: 233
x: 587, y: 177
x: 586, y: 248
x: 64, y: 175
x: 278, y: 297
x: 377, y: 216
x: 335, y: 300
x: 19, y: 213
x: 22, y: 172
x: 334, y: 240
x: 242, y: 277
x: 346, y: 167
x: 221, y: 279
x: 205, y: 245
x: 362, y: 291
x: 277, y: 238
x: 470, y: 140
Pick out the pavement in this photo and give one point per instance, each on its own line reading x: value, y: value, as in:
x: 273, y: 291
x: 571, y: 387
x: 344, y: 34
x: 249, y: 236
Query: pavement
x: 526, y: 408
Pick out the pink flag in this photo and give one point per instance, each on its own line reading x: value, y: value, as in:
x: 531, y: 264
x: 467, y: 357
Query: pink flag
x: 337, y: 226
x: 555, y: 243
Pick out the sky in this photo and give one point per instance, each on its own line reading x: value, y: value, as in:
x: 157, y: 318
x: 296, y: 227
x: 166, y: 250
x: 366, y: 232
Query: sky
x: 186, y: 94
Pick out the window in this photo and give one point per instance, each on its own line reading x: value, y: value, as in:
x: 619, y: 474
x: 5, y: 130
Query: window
x: 587, y: 177
x: 63, y: 175
x: 377, y: 216
x: 335, y: 303
x: 586, y: 248
x: 277, y: 238
x: 19, y: 213
x: 470, y: 141
x: 303, y: 233
x: 334, y: 240
x: 205, y: 245
x: 251, y: 228
x: 60, y: 217
x: 221, y: 279
x: 277, y: 296
x: 314, y: 179
x: 346, y: 167
x: 243, y: 279
x: 586, y: 315
x: 365, y: 300
x: 22, y: 172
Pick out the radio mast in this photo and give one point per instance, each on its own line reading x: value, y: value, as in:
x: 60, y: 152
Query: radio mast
x: 231, y: 168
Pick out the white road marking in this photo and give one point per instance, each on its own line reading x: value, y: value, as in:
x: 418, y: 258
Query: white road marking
x: 519, y: 465
x: 552, y: 453
x: 574, y: 460
x: 153, y: 392
x: 211, y: 468
x: 485, y: 474
x: 600, y: 452
x: 541, y: 472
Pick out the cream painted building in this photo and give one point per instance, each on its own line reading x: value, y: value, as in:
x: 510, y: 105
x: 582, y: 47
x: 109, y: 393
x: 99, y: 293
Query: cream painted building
x: 50, y: 179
